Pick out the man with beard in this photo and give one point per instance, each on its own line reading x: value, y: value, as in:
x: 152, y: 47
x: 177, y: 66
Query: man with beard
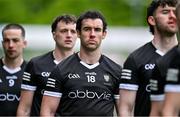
x: 171, y: 106
x: 86, y: 83
x: 137, y: 69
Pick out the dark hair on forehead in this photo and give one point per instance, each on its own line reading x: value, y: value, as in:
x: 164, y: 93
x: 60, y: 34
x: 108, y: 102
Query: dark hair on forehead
x: 63, y: 18
x: 154, y: 5
x: 178, y: 10
x: 91, y: 15
x: 14, y: 26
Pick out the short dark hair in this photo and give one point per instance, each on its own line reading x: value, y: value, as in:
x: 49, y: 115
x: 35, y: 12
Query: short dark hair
x: 178, y: 10
x: 91, y: 15
x: 14, y: 26
x: 64, y: 18
x: 154, y: 5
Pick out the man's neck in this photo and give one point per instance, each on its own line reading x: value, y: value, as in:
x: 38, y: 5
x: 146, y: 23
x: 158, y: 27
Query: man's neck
x: 12, y: 63
x: 60, y: 55
x: 164, y: 44
x: 89, y: 57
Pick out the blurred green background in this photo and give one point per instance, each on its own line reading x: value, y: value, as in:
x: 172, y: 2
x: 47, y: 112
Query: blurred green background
x: 118, y: 13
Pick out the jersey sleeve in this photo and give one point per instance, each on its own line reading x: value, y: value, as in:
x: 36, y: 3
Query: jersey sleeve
x: 157, y: 85
x: 116, y: 92
x: 28, y: 80
x: 53, y: 85
x: 129, y: 75
x: 173, y: 76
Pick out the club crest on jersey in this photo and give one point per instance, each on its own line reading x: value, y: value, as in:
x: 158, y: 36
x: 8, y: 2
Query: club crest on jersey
x: 73, y: 76
x: 45, y: 74
x: 106, y: 78
x: 149, y: 66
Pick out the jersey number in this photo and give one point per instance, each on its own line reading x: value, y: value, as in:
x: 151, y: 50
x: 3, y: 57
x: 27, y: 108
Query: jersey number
x: 91, y: 78
x: 11, y: 82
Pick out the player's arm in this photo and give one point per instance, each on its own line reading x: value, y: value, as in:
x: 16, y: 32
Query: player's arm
x: 126, y: 102
x: 157, y: 91
x: 171, y: 104
x: 117, y: 106
x: 172, y: 89
x: 156, y: 108
x: 49, y: 106
x: 24, y: 107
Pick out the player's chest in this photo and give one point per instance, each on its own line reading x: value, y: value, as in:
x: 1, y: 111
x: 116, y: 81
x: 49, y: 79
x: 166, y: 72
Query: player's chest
x: 89, y: 78
x: 41, y: 74
x: 10, y: 81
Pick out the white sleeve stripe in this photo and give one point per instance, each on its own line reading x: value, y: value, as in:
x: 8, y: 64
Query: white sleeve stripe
x: 54, y: 94
x: 172, y: 88
x: 26, y: 79
x: 126, y: 74
x: 26, y: 73
x: 26, y: 76
x: 116, y: 96
x: 157, y: 97
x: 28, y: 87
x: 49, y: 82
x: 125, y: 77
x: 129, y: 87
x: 49, y: 85
x: 50, y: 79
x: 126, y: 70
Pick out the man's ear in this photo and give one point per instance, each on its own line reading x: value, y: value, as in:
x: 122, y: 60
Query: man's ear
x: 78, y: 33
x: 151, y: 20
x: 104, y: 34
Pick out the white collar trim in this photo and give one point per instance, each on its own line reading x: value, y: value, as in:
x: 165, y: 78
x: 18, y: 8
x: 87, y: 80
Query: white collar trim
x: 11, y: 71
x: 89, y: 66
x: 160, y: 52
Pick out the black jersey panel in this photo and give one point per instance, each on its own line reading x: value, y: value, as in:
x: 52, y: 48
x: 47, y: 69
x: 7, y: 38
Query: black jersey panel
x: 85, y: 91
x: 10, y: 87
x: 35, y: 78
x: 136, y: 74
x: 173, y: 75
x: 159, y: 75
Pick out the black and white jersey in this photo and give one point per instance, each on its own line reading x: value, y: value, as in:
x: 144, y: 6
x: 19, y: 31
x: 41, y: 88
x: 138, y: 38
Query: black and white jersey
x: 10, y: 87
x: 35, y: 77
x: 159, y: 75
x: 85, y: 90
x: 136, y: 74
x: 173, y: 74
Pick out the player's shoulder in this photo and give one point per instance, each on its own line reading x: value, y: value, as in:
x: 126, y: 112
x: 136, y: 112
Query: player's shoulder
x: 168, y: 56
x: 110, y: 62
x: 42, y: 58
x: 69, y: 61
x: 142, y: 53
x: 144, y: 49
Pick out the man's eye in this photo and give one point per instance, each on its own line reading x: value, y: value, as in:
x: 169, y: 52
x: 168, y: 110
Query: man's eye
x: 63, y: 31
x: 86, y: 29
x: 165, y: 12
x: 98, y: 29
